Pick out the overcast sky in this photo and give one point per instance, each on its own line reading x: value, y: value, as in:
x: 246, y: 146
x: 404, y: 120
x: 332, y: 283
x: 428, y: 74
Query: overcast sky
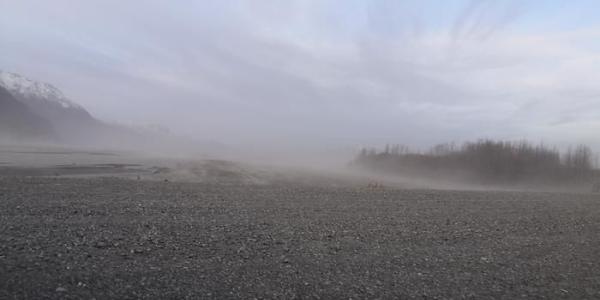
x: 328, y: 73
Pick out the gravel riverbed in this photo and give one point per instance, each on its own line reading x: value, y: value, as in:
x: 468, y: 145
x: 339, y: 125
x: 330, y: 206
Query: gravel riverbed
x: 115, y: 238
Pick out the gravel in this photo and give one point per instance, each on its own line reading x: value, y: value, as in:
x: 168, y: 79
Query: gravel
x: 114, y: 238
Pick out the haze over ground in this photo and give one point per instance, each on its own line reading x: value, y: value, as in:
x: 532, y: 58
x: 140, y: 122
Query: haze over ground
x: 320, y: 76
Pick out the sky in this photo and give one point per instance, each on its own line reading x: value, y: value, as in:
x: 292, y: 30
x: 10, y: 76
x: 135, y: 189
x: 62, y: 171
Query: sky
x: 320, y: 73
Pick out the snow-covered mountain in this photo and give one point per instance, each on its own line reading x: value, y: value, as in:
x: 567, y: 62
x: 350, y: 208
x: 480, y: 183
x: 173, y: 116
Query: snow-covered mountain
x: 70, y: 120
x: 29, y: 108
x: 72, y: 123
x: 23, y: 87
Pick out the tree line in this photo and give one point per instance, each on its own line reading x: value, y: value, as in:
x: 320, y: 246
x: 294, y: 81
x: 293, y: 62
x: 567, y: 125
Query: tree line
x: 485, y: 161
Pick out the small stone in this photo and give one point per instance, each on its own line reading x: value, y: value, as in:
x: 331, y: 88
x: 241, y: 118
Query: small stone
x: 137, y: 251
x: 101, y: 245
x: 61, y: 289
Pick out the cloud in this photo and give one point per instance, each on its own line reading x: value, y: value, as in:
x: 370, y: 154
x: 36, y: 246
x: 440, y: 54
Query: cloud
x: 480, y: 19
x: 312, y: 72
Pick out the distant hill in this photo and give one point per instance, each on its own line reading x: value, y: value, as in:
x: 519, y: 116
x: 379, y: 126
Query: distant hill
x: 19, y: 123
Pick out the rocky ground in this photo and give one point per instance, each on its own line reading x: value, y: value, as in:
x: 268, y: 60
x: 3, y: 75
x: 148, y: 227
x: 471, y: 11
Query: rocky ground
x: 118, y: 238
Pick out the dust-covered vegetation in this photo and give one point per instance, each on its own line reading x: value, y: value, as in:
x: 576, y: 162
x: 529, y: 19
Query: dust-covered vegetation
x: 486, y: 161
